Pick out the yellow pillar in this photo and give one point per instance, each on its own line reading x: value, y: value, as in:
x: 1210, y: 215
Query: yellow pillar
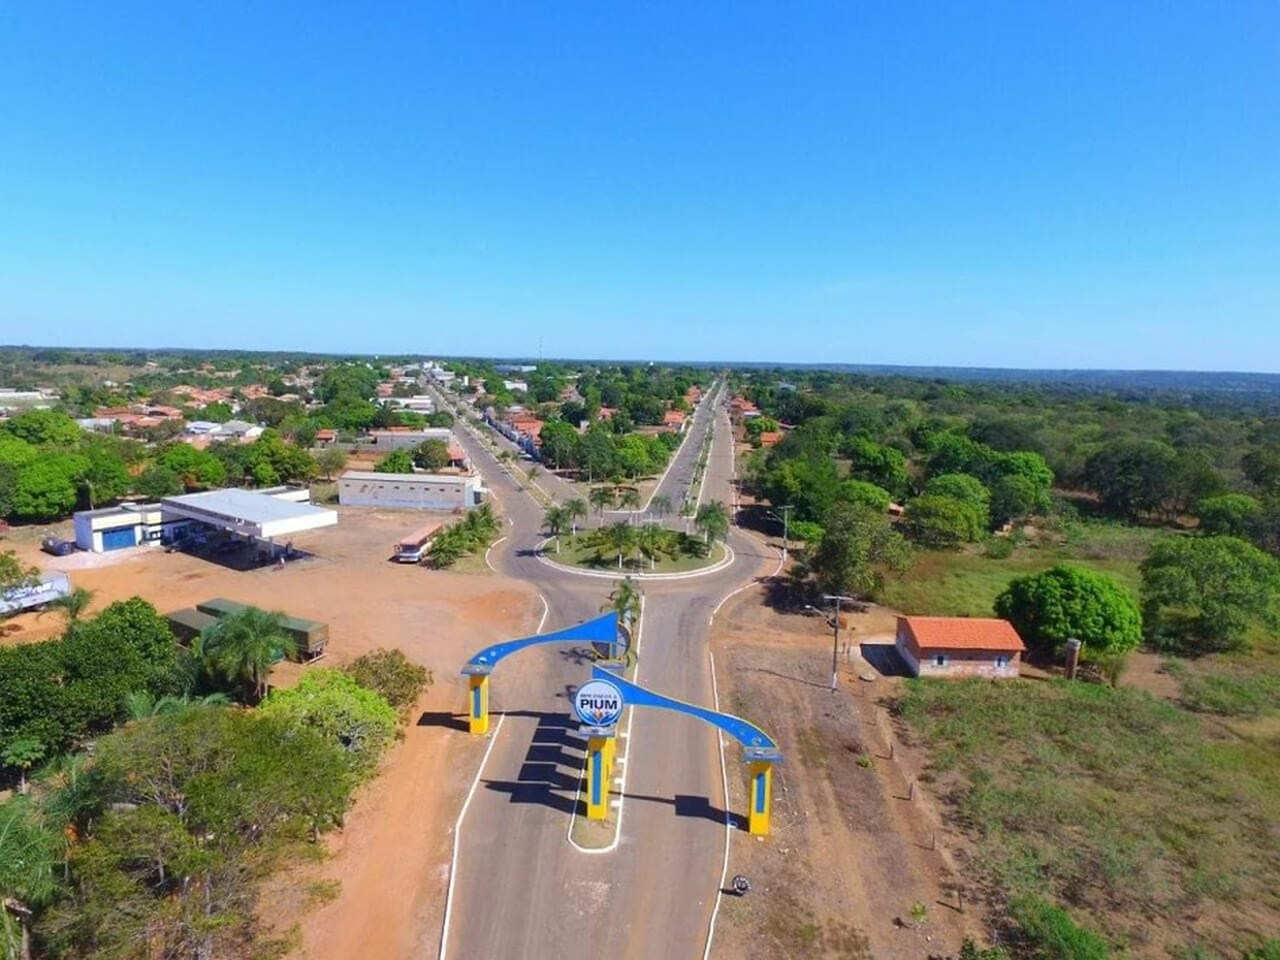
x: 597, y: 779
x: 610, y: 756
x: 478, y: 703
x: 761, y: 798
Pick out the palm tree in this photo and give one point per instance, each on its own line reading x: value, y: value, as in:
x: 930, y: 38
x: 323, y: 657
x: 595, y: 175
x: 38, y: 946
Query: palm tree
x: 73, y: 604
x: 241, y: 647
x: 625, y: 599
x: 713, y: 520
x: 29, y: 849
x: 575, y: 509
x: 557, y: 518
x: 629, y: 498
x: 619, y: 537
x: 652, y: 540
x: 141, y: 704
x: 600, y: 497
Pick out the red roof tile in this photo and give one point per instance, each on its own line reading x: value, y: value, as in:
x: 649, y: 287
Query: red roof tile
x: 962, y: 633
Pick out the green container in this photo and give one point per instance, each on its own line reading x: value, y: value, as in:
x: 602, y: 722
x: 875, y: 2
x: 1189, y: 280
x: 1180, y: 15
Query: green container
x: 310, y: 635
x: 187, y: 624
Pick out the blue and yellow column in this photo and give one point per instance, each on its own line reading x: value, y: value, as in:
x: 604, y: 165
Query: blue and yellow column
x: 599, y: 756
x: 761, y: 797
x: 478, y: 702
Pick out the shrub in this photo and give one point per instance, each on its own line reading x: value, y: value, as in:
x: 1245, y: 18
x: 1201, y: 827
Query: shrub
x: 390, y: 674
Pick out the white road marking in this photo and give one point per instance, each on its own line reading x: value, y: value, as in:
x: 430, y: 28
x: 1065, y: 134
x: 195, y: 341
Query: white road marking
x: 487, y: 563
x: 728, y: 817
x: 457, y: 827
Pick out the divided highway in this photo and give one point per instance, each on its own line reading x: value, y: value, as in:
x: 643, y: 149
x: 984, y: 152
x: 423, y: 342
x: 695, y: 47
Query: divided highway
x: 521, y: 889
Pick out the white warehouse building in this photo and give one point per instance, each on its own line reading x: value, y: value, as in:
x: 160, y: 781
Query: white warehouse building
x: 410, y: 491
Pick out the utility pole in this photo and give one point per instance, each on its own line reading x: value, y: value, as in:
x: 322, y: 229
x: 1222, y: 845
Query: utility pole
x: 835, y: 643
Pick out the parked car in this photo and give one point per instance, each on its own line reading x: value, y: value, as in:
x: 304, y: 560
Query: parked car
x: 57, y: 546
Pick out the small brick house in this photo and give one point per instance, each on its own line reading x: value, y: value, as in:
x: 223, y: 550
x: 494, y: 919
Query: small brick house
x: 959, y: 647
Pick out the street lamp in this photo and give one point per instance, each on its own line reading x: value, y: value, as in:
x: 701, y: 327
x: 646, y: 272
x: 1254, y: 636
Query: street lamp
x: 786, y: 515
x: 835, y: 643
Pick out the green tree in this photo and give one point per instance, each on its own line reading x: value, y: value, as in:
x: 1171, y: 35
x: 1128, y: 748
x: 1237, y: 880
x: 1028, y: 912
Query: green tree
x: 1132, y: 477
x: 156, y: 482
x: 1200, y: 594
x: 575, y: 510
x: 865, y: 494
x: 331, y: 460
x: 660, y: 505
x: 938, y: 521
x: 397, y: 461
x: 197, y: 469
x: 1016, y: 497
x: 558, y: 521
x: 72, y: 605
x: 29, y: 854
x: 241, y: 647
x: 15, y: 575
x: 23, y: 753
x: 391, y: 675
x: 618, y: 538
x: 558, y: 444
x: 884, y: 466
x: 43, y: 492
x: 712, y: 520
x: 601, y: 498
x: 345, y: 713
x: 43, y: 428
x: 432, y: 456
x: 1067, y: 601
x: 1229, y: 514
x: 858, y: 547
x: 626, y: 600
x: 628, y: 498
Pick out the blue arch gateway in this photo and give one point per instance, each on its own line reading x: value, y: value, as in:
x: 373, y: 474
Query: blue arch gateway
x: 599, y: 724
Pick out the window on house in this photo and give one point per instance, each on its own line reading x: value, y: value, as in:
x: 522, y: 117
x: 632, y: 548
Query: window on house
x: 1002, y: 661
x: 940, y: 660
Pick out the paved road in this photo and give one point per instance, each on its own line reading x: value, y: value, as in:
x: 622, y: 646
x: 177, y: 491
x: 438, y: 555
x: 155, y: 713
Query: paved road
x: 521, y: 890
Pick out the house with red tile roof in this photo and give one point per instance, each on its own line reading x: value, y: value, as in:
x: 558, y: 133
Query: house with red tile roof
x: 673, y: 420
x: 771, y: 438
x: 959, y: 647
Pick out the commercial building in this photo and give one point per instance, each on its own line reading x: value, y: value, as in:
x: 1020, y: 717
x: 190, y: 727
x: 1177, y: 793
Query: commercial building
x: 403, y: 438
x: 959, y: 647
x: 410, y: 491
x: 128, y: 525
x: 254, y: 514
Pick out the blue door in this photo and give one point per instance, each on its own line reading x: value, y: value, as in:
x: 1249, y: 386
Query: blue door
x: 119, y: 538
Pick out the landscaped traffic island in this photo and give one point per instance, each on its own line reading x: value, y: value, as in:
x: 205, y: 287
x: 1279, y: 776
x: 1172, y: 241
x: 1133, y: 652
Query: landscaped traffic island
x: 634, y: 550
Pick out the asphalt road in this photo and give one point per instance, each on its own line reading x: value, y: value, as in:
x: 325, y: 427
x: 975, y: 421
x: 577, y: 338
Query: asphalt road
x: 521, y: 890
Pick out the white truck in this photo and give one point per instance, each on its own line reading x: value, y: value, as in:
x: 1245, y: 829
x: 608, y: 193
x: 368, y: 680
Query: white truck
x: 48, y: 589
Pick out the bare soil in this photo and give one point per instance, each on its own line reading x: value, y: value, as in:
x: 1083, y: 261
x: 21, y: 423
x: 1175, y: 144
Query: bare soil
x: 856, y: 865
x: 391, y: 858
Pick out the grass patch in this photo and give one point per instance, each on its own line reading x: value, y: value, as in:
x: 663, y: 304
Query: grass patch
x: 1115, y: 804
x: 966, y: 583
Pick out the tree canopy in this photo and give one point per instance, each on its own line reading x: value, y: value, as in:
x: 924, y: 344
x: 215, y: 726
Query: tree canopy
x: 1068, y: 601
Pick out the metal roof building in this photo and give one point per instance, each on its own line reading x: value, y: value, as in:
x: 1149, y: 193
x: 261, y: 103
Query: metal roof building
x: 249, y: 514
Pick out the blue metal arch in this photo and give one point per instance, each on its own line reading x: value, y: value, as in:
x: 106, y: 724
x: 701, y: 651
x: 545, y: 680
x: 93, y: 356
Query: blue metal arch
x: 603, y: 629
x: 758, y: 744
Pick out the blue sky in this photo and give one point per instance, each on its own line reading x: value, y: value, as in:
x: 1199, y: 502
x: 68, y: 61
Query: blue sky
x: 995, y: 184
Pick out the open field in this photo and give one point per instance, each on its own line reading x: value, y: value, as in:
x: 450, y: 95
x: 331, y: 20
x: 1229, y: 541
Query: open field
x: 965, y: 583
x: 1150, y: 824
x: 383, y: 882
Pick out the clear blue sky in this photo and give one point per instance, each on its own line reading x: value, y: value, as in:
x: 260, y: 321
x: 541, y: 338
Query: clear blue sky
x: 1001, y: 184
